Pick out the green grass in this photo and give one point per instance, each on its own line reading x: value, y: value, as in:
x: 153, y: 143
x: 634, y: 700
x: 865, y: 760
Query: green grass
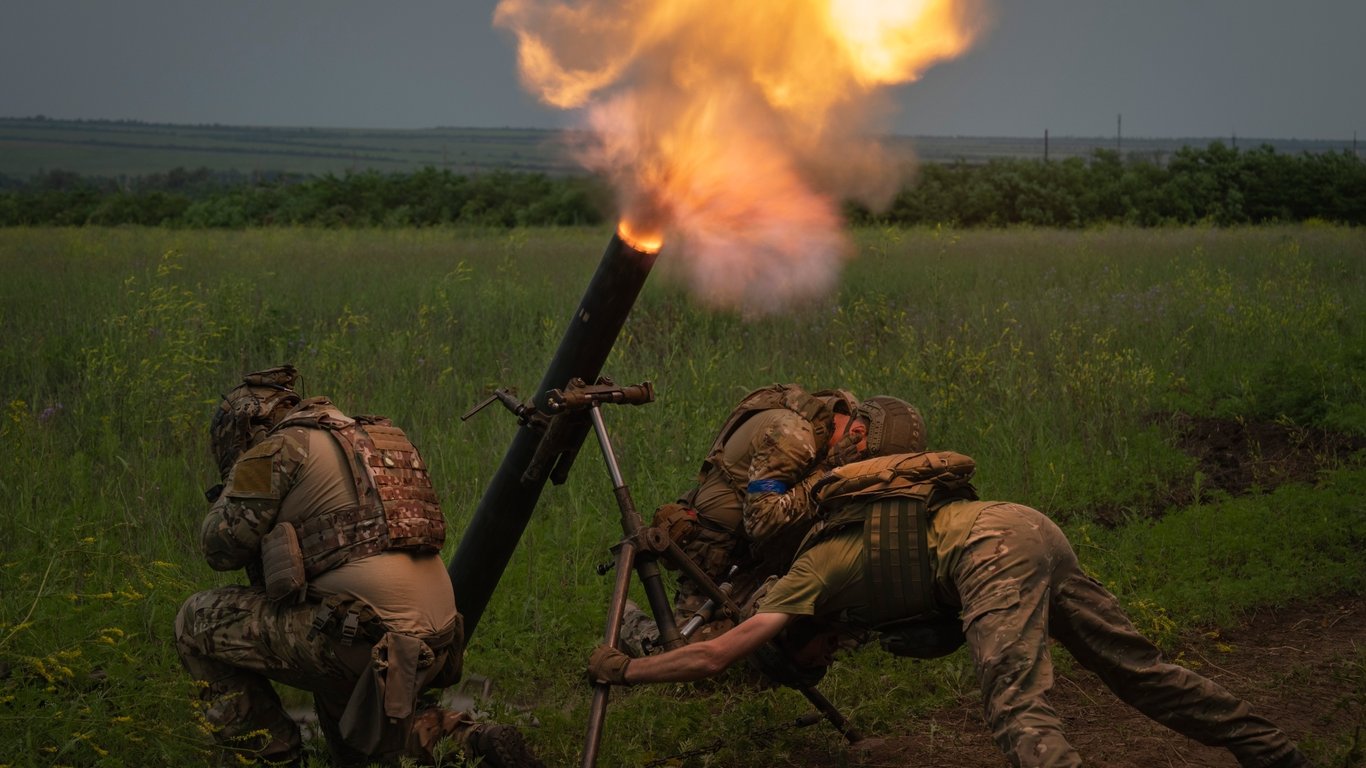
x: 1042, y: 354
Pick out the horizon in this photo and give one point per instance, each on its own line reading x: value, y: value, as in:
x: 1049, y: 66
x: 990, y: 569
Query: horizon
x: 572, y: 129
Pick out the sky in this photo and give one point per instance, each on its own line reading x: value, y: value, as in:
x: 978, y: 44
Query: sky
x: 1171, y: 68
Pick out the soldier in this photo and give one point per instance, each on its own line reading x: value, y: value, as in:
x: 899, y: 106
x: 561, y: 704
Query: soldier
x: 752, y: 503
x: 903, y: 542
x: 336, y: 523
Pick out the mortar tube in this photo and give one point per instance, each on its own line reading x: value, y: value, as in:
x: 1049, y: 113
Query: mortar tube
x: 505, y: 509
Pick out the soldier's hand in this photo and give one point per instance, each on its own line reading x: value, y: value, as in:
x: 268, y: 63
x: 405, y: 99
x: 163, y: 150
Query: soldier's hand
x: 845, y: 450
x: 607, y: 665
x: 212, y: 494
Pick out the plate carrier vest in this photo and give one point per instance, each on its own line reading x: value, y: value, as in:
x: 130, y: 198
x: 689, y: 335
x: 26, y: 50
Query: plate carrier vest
x: 397, y: 508
x: 892, y: 497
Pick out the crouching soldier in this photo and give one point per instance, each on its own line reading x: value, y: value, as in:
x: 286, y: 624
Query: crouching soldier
x: 336, y: 523
x: 906, y: 549
x: 752, y: 503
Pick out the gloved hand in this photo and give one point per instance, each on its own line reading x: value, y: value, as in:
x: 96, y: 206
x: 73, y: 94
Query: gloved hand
x: 607, y: 665
x: 846, y: 450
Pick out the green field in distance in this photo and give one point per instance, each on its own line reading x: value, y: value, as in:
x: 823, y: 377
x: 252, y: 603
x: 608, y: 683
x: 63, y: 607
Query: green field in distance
x: 122, y: 148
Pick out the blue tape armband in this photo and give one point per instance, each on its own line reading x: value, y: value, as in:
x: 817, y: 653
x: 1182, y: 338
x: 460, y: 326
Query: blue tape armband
x: 767, y: 486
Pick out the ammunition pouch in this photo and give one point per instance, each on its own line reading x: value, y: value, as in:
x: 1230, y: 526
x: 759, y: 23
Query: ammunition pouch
x: 401, y: 667
x: 678, y: 521
x: 282, y: 564
x: 714, y: 551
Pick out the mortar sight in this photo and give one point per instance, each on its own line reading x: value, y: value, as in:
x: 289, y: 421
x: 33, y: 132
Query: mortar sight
x: 578, y: 395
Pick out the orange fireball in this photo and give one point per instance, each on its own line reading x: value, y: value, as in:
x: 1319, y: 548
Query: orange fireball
x: 737, y: 127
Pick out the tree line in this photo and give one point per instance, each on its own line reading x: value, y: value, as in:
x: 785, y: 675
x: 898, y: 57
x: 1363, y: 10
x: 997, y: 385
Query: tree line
x: 1215, y: 185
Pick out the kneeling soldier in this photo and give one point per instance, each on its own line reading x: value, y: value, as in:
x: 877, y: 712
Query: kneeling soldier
x: 336, y: 523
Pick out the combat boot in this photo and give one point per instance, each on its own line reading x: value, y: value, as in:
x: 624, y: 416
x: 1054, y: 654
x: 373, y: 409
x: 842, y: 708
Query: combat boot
x: 1295, y: 759
x: 502, y: 746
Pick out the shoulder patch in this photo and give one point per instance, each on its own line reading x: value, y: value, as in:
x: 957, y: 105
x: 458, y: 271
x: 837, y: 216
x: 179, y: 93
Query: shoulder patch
x: 252, y: 475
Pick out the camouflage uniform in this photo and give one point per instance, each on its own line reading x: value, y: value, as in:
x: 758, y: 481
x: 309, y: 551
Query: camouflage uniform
x: 1015, y: 580
x: 373, y: 632
x: 774, y: 456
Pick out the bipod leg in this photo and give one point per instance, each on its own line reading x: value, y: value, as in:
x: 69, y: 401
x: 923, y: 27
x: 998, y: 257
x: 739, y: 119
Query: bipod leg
x: 597, y: 709
x: 832, y: 714
x: 629, y: 559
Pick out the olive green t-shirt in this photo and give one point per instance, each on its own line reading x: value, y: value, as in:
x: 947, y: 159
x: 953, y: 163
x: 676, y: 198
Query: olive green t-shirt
x: 826, y: 581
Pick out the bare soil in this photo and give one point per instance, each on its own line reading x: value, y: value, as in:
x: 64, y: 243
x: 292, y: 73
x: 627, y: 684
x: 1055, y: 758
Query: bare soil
x: 1303, y: 667
x: 1240, y: 456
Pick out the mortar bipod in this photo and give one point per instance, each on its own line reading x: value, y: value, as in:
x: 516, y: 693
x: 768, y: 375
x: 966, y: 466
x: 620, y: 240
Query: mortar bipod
x: 630, y: 555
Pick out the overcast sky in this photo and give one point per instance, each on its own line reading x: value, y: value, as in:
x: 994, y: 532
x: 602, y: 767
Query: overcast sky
x: 1172, y: 68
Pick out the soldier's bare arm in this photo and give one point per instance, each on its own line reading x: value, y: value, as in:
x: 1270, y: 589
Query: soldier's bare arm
x: 705, y: 659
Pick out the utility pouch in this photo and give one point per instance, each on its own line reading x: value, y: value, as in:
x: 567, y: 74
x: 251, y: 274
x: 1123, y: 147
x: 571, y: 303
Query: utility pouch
x: 924, y: 637
x: 677, y: 520
x: 282, y: 564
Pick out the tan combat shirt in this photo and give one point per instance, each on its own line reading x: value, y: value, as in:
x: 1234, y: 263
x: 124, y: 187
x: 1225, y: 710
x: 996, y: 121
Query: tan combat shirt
x: 299, y: 473
x: 826, y: 581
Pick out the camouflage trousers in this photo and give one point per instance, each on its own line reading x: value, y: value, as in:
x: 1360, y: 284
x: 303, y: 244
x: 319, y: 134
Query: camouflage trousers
x: 1019, y: 582
x: 235, y: 641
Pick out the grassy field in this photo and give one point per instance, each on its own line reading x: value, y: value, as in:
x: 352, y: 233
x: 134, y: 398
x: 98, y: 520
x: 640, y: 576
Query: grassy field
x: 1055, y: 359
x: 104, y: 148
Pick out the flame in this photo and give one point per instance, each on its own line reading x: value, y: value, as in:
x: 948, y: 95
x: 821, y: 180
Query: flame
x: 643, y: 240
x: 734, y: 128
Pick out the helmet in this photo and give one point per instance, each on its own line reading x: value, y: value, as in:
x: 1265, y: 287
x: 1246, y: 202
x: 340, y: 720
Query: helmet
x: 839, y: 400
x: 249, y: 411
x: 894, y: 426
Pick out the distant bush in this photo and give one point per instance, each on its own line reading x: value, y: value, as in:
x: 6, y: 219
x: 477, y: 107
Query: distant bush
x: 1216, y: 185
x: 200, y: 198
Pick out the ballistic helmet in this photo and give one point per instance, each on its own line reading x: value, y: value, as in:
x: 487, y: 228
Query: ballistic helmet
x: 894, y: 426
x: 840, y: 400
x: 249, y: 411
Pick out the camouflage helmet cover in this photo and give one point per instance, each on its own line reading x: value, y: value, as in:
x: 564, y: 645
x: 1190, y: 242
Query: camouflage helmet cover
x: 840, y: 400
x: 894, y: 426
x: 249, y: 411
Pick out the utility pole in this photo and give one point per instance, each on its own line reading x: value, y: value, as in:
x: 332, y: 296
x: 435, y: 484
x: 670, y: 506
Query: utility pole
x: 1045, y: 144
x: 1119, y: 135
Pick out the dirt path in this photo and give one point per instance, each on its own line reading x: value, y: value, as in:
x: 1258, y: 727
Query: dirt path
x: 1304, y: 668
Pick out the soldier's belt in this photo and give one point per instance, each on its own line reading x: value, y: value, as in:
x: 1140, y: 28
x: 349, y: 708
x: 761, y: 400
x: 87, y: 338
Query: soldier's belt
x: 346, y: 617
